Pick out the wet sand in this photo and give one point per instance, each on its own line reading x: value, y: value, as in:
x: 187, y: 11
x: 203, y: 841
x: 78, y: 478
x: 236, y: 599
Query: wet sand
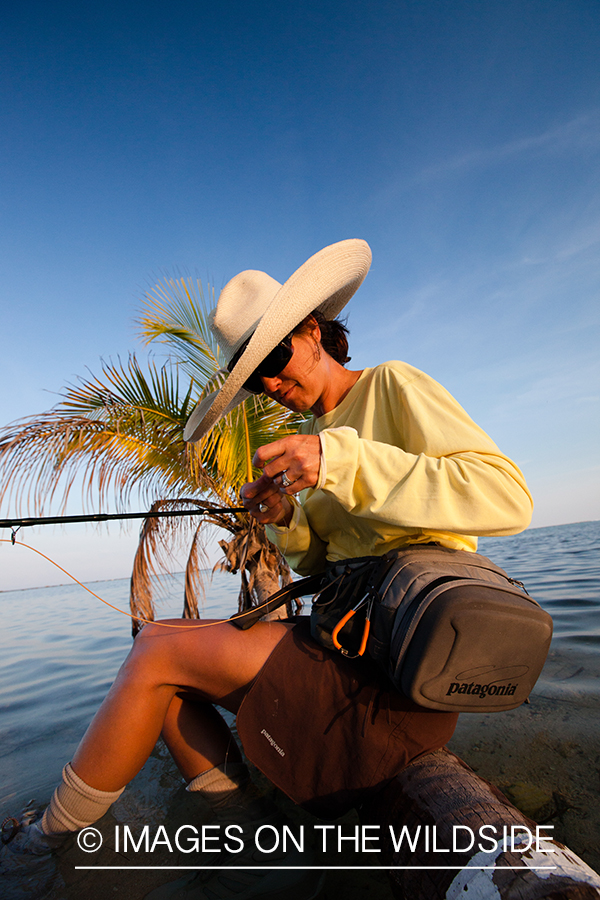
x: 545, y: 756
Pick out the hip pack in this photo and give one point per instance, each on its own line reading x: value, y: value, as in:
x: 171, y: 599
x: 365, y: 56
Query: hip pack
x: 449, y: 628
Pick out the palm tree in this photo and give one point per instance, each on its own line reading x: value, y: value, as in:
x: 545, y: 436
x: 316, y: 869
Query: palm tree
x: 122, y: 433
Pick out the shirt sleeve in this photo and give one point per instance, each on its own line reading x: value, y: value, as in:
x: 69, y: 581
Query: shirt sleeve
x: 444, y: 473
x: 302, y: 547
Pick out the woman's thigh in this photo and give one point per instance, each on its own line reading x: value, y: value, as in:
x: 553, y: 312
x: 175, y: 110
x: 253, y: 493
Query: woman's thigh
x: 213, y: 659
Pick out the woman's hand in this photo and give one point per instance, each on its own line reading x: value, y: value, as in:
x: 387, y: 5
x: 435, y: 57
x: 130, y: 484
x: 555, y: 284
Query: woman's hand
x: 289, y: 465
x: 292, y: 462
x: 263, y: 500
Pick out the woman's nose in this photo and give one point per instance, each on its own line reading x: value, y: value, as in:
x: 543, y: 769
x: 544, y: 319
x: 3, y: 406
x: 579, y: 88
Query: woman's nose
x: 270, y: 384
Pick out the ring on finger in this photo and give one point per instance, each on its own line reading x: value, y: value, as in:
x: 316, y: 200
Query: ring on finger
x: 263, y: 508
x: 285, y: 481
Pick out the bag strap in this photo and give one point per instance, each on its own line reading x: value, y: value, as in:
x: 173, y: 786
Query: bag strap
x: 249, y: 617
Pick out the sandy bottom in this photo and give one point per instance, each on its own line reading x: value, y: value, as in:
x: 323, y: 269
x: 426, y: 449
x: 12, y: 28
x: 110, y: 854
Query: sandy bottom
x: 545, y: 756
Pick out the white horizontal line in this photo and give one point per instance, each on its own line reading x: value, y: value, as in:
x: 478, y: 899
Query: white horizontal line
x: 312, y: 868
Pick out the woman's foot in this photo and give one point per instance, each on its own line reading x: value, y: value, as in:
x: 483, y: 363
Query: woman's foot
x: 28, y: 869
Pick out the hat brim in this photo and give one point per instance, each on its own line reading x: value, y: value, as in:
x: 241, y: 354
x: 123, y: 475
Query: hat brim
x: 325, y: 282
x: 193, y: 430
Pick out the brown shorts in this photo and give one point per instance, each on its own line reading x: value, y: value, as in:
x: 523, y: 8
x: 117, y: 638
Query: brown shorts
x: 329, y: 731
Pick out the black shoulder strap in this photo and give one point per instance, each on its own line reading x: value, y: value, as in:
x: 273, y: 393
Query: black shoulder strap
x: 249, y: 617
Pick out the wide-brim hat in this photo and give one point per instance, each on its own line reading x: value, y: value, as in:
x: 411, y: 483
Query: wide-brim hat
x: 256, y: 308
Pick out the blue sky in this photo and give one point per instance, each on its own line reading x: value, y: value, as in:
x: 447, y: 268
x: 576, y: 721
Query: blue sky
x: 460, y: 139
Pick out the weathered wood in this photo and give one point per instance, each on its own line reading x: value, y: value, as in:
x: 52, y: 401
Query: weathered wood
x: 439, y: 798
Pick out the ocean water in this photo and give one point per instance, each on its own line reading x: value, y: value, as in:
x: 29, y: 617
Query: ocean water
x: 60, y: 649
x: 560, y: 567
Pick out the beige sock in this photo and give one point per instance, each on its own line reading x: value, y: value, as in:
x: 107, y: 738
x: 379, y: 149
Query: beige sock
x: 231, y: 793
x: 221, y: 779
x: 75, y: 804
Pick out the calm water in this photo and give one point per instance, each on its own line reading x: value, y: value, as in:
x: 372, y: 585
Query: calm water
x: 60, y: 648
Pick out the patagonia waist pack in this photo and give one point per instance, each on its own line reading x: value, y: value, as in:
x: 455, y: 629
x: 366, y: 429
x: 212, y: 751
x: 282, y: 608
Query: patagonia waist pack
x: 449, y: 628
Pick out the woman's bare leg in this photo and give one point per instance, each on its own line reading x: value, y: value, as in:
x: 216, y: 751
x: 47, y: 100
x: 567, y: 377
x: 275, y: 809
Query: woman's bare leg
x: 197, y: 736
x: 216, y: 663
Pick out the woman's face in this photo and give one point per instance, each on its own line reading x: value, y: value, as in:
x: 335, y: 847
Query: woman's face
x: 301, y: 384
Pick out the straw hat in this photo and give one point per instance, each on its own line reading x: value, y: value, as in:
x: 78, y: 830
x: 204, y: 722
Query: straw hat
x: 256, y: 307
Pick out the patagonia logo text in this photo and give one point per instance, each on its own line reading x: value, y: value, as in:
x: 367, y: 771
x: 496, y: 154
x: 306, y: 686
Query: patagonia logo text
x: 482, y: 690
x: 273, y: 744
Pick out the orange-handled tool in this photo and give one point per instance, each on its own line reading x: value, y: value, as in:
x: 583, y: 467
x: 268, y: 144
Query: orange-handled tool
x: 346, y: 618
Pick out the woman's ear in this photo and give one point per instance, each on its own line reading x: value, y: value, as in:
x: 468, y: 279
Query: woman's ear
x: 309, y: 327
x: 314, y: 328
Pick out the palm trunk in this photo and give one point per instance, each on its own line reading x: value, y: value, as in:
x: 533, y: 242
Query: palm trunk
x: 266, y: 584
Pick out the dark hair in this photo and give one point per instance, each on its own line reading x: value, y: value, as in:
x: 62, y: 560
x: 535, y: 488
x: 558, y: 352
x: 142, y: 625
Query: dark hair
x: 334, y: 335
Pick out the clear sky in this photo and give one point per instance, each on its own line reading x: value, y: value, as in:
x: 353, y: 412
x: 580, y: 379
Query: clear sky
x: 460, y: 138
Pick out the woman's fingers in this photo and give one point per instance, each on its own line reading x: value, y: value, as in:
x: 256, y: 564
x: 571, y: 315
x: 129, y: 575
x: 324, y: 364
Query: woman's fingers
x: 279, y: 514
x: 288, y: 466
x: 270, y: 452
x: 292, y: 462
x: 258, y: 492
x: 263, y: 500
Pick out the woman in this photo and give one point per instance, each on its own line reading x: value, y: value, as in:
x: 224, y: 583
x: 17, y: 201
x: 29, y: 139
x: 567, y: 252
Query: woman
x: 387, y: 460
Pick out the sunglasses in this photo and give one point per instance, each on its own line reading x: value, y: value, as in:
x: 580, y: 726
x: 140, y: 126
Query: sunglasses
x: 274, y: 363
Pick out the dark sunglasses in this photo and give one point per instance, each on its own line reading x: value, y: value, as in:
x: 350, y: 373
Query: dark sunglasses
x: 274, y: 363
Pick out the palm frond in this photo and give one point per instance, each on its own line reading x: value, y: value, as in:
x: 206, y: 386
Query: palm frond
x: 223, y: 449
x: 175, y: 312
x: 159, y: 538
x: 119, y: 433
x: 153, y: 554
x: 262, y: 568
x: 122, y: 432
x: 194, y: 583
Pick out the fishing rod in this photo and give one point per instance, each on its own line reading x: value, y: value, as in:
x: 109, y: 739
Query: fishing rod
x: 16, y: 524
x: 106, y: 517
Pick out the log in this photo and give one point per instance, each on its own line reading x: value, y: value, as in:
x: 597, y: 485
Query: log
x: 441, y: 804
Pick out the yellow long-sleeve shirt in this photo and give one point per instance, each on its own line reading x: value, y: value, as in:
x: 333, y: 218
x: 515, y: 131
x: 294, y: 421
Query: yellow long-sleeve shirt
x: 404, y: 464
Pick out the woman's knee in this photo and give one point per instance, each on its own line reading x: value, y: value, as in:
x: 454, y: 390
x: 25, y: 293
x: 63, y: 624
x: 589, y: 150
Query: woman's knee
x: 154, y: 649
x: 179, y: 655
x: 212, y: 659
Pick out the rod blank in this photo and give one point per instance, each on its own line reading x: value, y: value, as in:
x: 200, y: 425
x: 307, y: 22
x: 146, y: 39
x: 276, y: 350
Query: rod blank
x: 106, y: 517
